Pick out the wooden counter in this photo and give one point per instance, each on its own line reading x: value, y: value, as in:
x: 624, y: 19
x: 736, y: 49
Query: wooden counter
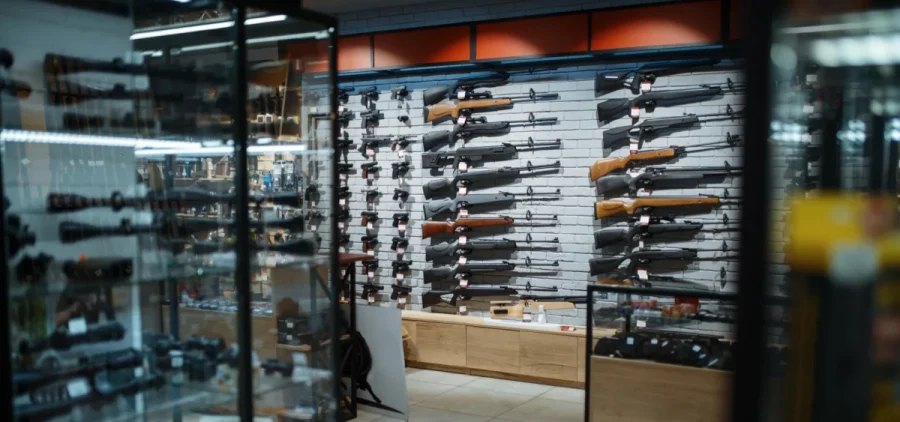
x: 468, y: 344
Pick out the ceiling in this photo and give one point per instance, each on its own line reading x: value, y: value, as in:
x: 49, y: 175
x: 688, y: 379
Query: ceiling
x: 343, y: 6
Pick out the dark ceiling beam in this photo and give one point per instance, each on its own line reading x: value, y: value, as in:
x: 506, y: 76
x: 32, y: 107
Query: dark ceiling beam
x: 118, y: 8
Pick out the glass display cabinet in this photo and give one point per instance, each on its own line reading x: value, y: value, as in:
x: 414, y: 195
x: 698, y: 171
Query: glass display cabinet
x: 168, y: 215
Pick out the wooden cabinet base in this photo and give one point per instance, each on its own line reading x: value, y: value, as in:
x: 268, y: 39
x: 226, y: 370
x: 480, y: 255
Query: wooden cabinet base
x: 495, y: 374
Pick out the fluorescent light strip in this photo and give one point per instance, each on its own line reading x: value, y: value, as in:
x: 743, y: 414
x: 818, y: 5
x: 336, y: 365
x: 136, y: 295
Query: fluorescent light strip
x: 204, y: 27
x: 78, y: 139
x: 217, y: 151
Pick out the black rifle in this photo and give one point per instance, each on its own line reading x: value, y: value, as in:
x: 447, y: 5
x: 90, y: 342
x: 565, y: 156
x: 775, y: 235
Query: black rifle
x: 399, y: 290
x: 17, y: 235
x: 631, y: 79
x: 470, y: 155
x: 63, y: 340
x: 399, y: 170
x: 651, y: 175
x: 442, y: 187
x: 466, y: 86
x: 371, y: 118
x: 631, y: 277
x: 302, y: 247
x: 400, y: 194
x: 399, y: 92
x: 168, y: 201
x: 55, y: 64
x: 373, y: 142
x: 27, y: 380
x: 447, y: 273
x: 370, y: 167
x: 475, y: 127
x: 433, y: 297
x: 653, y: 128
x: 62, y: 93
x: 399, y: 266
x: 634, y: 259
x: 400, y: 217
x: 94, y: 396
x: 449, y: 250
x: 632, y: 232
x: 440, y: 206
x: 610, y: 110
x: 399, y: 242
x: 176, y: 228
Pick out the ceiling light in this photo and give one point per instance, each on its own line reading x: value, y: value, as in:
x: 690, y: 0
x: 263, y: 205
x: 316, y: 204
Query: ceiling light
x: 204, y: 27
x: 28, y: 136
x: 218, y: 151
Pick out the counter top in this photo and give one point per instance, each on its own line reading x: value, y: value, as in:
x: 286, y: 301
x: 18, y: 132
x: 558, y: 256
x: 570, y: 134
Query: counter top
x: 478, y: 321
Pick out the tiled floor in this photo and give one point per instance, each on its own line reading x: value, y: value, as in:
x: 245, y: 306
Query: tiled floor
x: 445, y: 397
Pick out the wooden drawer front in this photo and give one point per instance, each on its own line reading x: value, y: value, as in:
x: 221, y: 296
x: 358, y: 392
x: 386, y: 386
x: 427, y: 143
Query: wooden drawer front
x: 549, y: 356
x: 581, y: 351
x: 492, y: 350
x: 412, y: 353
x: 442, y: 344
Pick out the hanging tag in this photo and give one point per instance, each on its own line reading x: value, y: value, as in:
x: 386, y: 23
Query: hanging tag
x: 462, y: 191
x: 340, y: 225
x: 460, y: 95
x: 78, y: 388
x: 463, y: 167
x: 401, y: 250
x: 370, y: 252
x: 646, y: 86
x: 463, y: 309
x: 289, y: 324
x: 370, y: 274
x: 461, y: 120
x: 635, y: 112
x: 463, y: 239
x: 370, y: 226
x: 342, y: 202
x: 464, y: 282
x: 463, y: 213
x: 401, y: 300
x: 634, y: 172
x: 399, y: 276
x: 462, y: 260
x: 401, y: 152
x: 401, y: 227
x: 370, y: 205
x: 370, y: 176
x: 77, y: 326
x: 642, y: 274
x: 341, y: 109
x: 342, y: 177
x: 289, y: 337
x: 641, y: 323
x: 645, y: 220
x: 526, y: 318
x: 633, y: 147
x: 371, y: 299
x: 370, y: 152
x: 641, y: 244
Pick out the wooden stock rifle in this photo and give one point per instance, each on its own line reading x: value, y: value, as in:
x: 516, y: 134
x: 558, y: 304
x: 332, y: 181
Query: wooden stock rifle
x: 613, y: 207
x: 604, y: 167
x: 438, y: 111
x: 462, y: 225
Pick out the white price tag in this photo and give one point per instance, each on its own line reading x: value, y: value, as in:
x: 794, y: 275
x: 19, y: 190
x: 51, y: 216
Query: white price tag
x: 290, y: 324
x: 461, y: 120
x: 463, y: 239
x: 635, y: 112
x: 400, y: 276
x: 370, y: 226
x: 342, y: 202
x: 463, y: 283
x: 342, y: 177
x: 340, y: 225
x: 77, y: 326
x: 463, y: 167
x: 462, y: 191
x: 645, y: 220
x: 633, y: 147
x: 641, y: 244
x: 462, y: 260
x: 460, y: 95
x: 370, y: 274
x: 641, y: 323
x: 370, y: 152
x: 371, y: 299
x: 401, y: 228
x: 370, y: 252
x: 808, y: 108
x: 695, y: 348
x: 646, y: 86
x: 629, y: 341
x: 642, y: 274
x: 313, y: 228
x: 177, y: 361
x: 370, y: 176
x: 463, y: 213
x: 463, y: 309
x: 78, y: 388
x: 401, y: 250
x: 401, y: 300
x: 526, y: 318
x: 289, y: 337
x: 340, y: 109
x: 401, y: 153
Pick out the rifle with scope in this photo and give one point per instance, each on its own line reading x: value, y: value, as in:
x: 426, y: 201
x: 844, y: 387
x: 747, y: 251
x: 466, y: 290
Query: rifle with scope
x: 478, y: 126
x: 610, y: 110
x: 171, y: 200
x: 448, y: 273
x: 472, y: 155
x: 450, y: 250
x: 444, y: 187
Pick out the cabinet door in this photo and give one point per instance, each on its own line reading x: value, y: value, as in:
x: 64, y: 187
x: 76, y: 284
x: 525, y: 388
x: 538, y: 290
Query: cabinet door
x: 581, y: 355
x: 549, y: 356
x: 410, y: 348
x: 442, y: 344
x: 492, y: 350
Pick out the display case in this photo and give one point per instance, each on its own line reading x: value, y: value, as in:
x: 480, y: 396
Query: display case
x: 168, y: 215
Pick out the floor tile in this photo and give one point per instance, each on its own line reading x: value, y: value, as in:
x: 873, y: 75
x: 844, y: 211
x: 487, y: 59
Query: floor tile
x: 425, y: 414
x: 441, y: 377
x: 410, y: 371
x: 544, y: 410
x: 574, y: 395
x: 511, y: 387
x: 475, y: 401
x: 363, y: 416
x: 418, y: 391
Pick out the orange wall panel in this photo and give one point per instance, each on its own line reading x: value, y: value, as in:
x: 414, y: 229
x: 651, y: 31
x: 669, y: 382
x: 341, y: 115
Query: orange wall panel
x: 312, y: 55
x: 659, y: 25
x: 532, y: 37
x: 422, y: 46
x: 354, y: 53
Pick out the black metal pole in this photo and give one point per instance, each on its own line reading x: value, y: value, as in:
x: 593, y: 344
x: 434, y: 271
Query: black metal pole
x: 748, y: 380
x: 242, y: 217
x: 6, y: 372
x: 333, y: 211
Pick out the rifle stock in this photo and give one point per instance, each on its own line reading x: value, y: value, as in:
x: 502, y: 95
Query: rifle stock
x: 436, y: 94
x: 604, y: 167
x: 438, y: 111
x: 610, y: 208
x: 433, y: 228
